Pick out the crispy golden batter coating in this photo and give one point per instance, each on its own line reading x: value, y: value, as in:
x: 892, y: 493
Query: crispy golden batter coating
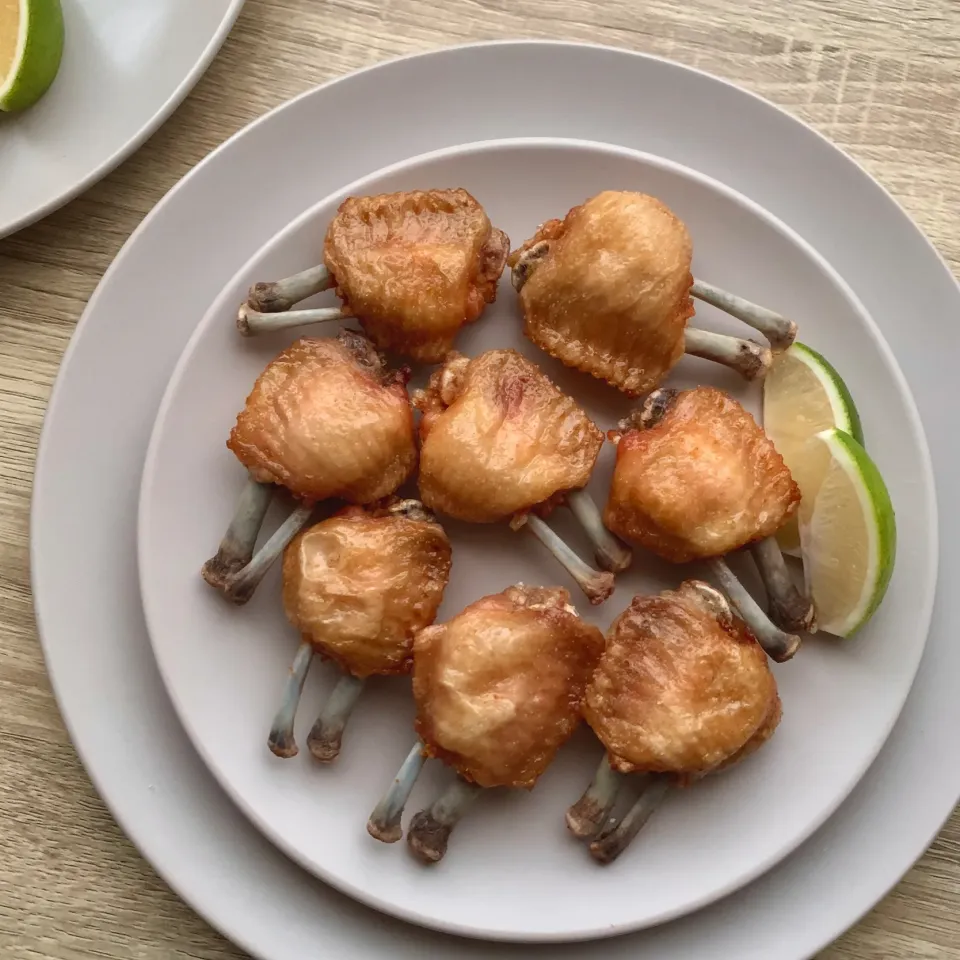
x: 415, y: 267
x: 680, y: 689
x: 498, y: 437
x: 763, y: 734
x: 611, y: 295
x: 360, y: 585
x: 703, y: 481
x: 325, y: 420
x: 498, y: 688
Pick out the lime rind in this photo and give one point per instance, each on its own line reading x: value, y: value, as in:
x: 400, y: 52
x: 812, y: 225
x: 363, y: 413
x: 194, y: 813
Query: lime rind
x: 846, y: 416
x: 880, y: 519
x: 38, y: 55
x: 884, y: 521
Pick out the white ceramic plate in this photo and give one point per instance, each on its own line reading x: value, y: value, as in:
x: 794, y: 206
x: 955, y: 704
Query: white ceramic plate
x: 125, y: 69
x: 83, y: 527
x: 225, y: 666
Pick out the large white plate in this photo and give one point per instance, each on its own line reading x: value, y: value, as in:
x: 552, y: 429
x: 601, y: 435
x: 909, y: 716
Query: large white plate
x: 126, y: 67
x: 840, y: 699
x: 83, y: 531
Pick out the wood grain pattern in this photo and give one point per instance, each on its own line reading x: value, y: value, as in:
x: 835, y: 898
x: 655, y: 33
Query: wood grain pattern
x: 879, y: 77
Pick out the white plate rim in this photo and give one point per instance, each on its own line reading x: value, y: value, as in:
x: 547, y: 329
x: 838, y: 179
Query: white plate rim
x: 147, y: 129
x: 222, y: 304
x: 182, y: 882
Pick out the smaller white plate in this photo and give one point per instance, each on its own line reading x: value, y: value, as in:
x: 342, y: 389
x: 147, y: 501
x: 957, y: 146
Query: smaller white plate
x: 126, y: 67
x: 224, y: 666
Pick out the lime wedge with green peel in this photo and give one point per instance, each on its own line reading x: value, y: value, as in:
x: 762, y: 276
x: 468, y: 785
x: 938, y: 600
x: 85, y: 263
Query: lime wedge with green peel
x: 31, y: 44
x: 803, y: 395
x: 848, y: 534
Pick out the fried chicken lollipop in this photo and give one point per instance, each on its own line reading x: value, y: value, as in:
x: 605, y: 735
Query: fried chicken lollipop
x: 498, y: 691
x: 412, y: 267
x: 358, y: 587
x: 501, y: 442
x: 607, y: 290
x: 696, y: 478
x: 325, y: 419
x: 682, y: 690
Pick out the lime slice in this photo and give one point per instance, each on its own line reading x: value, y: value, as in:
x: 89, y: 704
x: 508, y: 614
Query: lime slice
x: 849, y: 534
x: 31, y: 44
x: 802, y: 395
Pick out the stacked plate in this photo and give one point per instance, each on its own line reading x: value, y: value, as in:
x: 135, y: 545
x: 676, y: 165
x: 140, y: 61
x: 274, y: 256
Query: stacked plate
x: 778, y: 215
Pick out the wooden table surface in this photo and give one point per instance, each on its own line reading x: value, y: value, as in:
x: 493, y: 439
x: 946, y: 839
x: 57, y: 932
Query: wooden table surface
x: 879, y: 77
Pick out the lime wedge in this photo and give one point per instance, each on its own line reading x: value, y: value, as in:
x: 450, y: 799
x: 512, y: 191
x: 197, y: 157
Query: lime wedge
x: 848, y: 533
x: 31, y: 44
x: 803, y: 395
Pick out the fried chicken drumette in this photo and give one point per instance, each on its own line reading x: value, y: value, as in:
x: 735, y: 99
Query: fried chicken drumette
x: 499, y: 441
x: 608, y: 290
x: 325, y: 419
x: 498, y: 691
x: 412, y: 267
x: 358, y: 587
x: 699, y: 478
x: 682, y: 689
x: 696, y: 478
